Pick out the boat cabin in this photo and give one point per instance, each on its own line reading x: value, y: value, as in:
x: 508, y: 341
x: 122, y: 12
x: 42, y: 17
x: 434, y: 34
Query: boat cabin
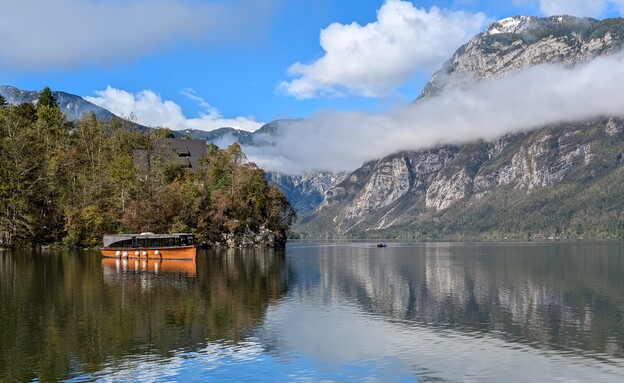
x: 148, y: 240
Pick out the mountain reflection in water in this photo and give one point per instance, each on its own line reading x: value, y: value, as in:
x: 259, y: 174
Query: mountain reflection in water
x: 335, y: 311
x: 550, y: 295
x: 461, y: 311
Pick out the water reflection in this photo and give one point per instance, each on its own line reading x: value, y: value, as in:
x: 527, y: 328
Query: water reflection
x: 562, y: 297
x: 68, y: 312
x: 457, y: 311
x: 333, y: 311
x: 111, y: 266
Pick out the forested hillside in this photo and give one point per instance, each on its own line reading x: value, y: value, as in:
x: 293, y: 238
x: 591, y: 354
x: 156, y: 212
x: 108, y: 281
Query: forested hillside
x: 67, y: 183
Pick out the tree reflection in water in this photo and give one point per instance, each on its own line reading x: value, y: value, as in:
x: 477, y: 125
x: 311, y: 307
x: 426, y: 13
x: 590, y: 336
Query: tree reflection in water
x: 69, y: 311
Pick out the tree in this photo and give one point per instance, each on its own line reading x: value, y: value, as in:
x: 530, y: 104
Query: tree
x: 46, y: 99
x: 61, y: 188
x: 21, y: 183
x: 3, y: 101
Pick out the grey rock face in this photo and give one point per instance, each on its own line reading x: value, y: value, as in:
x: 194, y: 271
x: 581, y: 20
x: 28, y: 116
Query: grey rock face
x: 390, y: 181
x: 308, y: 190
x: 517, y: 43
x: 409, y: 186
x: 406, y: 189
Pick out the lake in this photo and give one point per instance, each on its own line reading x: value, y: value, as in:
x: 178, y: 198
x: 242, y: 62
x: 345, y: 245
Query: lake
x: 324, y: 311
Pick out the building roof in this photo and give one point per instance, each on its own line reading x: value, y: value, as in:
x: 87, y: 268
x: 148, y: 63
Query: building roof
x: 183, y: 152
x: 189, y: 151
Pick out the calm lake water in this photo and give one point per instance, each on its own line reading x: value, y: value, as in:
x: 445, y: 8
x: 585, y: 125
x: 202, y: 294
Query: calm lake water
x: 336, y: 311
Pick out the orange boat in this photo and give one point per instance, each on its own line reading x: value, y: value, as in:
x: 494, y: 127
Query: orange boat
x: 150, y: 246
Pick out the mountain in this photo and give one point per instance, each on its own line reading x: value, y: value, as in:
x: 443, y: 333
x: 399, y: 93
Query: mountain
x: 561, y: 180
x: 517, y: 43
x: 225, y: 136
x: 73, y: 107
x: 306, y: 191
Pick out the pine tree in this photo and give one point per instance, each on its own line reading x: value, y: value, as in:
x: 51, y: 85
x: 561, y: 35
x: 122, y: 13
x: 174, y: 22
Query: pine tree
x: 3, y: 101
x: 47, y: 99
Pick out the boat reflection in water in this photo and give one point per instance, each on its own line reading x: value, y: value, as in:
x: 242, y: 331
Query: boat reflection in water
x: 152, y: 266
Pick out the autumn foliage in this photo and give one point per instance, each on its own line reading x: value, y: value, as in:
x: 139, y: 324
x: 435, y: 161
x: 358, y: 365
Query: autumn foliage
x: 69, y: 183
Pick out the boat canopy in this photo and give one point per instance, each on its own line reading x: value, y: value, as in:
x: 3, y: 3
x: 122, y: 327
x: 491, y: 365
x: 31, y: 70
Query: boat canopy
x: 148, y: 240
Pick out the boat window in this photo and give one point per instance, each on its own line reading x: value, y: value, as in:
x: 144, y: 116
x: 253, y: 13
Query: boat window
x: 186, y: 240
x: 122, y: 243
x: 171, y: 241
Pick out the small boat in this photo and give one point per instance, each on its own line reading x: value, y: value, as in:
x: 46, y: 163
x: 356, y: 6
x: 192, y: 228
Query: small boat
x: 150, y: 246
x: 382, y: 244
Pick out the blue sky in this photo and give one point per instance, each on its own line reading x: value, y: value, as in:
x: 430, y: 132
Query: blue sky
x: 204, y: 64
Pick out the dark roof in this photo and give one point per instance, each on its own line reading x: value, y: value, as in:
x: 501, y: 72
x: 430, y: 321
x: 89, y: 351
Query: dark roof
x: 189, y: 151
x: 184, y: 152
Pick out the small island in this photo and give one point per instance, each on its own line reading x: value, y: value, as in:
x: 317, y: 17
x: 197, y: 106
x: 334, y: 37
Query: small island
x: 66, y: 184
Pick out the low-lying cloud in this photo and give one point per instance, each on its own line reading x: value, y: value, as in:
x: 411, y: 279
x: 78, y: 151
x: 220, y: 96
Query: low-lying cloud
x: 530, y: 99
x: 372, y: 60
x: 148, y: 108
x: 41, y: 34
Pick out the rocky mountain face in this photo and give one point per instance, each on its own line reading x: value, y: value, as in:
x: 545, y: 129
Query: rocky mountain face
x: 555, y: 181
x: 560, y: 180
x: 517, y: 43
x: 306, y: 191
x: 73, y: 107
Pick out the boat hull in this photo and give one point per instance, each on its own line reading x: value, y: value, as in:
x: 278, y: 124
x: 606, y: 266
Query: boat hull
x: 175, y: 252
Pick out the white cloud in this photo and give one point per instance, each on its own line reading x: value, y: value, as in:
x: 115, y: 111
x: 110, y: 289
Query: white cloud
x: 67, y: 33
x: 372, y: 60
x: 148, y: 108
x: 586, y: 8
x: 530, y: 99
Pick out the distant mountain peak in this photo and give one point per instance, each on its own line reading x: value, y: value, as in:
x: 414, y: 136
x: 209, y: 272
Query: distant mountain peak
x: 74, y: 107
x: 521, y: 24
x: 520, y: 42
x: 515, y: 24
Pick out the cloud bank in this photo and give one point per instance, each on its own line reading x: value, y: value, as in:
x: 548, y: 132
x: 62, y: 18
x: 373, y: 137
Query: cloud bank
x: 530, y: 99
x: 149, y: 109
x: 372, y: 60
x: 39, y: 34
x: 582, y: 8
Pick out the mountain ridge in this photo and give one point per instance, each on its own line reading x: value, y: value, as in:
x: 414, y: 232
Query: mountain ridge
x: 73, y: 107
x: 549, y: 182
x: 520, y: 42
